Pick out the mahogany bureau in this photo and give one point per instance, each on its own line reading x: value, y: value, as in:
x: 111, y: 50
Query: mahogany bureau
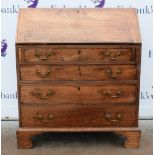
x: 78, y: 70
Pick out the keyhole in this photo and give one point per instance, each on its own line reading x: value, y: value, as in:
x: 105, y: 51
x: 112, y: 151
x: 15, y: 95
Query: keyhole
x: 79, y: 52
x: 79, y: 55
x: 79, y: 88
x: 79, y: 68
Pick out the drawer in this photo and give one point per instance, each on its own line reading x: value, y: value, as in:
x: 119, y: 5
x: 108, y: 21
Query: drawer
x: 118, y: 116
x: 75, y: 73
x: 78, y: 94
x: 70, y: 55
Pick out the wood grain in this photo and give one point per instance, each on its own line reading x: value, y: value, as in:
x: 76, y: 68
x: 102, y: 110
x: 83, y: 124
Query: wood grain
x: 24, y: 135
x: 78, y: 70
x: 24, y: 139
x: 132, y: 138
x: 75, y: 73
x: 78, y: 26
x: 78, y: 94
x: 72, y: 55
x: 78, y: 116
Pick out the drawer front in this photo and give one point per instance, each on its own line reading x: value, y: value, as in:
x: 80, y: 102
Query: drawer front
x: 78, y: 116
x: 77, y: 55
x: 78, y: 94
x: 103, y: 72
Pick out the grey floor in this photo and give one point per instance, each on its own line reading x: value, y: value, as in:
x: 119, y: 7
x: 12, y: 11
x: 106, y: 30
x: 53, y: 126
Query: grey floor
x: 76, y: 144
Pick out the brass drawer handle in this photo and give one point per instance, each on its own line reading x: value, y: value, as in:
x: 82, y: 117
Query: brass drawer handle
x: 43, y: 55
x: 39, y: 93
x: 117, y: 118
x: 42, y: 118
x: 109, y: 55
x: 110, y: 73
x: 43, y: 75
x: 118, y: 94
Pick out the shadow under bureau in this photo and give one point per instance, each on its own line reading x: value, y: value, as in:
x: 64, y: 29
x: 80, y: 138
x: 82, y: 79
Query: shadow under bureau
x: 78, y: 70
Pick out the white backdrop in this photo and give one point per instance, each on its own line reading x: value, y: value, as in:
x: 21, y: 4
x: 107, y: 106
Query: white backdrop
x: 9, y: 11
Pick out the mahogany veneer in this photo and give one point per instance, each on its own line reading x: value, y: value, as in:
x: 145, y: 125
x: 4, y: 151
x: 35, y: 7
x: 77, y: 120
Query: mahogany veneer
x: 78, y: 70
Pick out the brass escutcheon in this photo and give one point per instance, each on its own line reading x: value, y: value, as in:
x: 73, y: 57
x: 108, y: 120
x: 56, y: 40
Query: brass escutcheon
x: 42, y: 118
x: 117, y: 118
x: 118, y: 93
x: 43, y: 55
x: 40, y: 94
x: 111, y: 73
x: 43, y: 75
x: 109, y: 55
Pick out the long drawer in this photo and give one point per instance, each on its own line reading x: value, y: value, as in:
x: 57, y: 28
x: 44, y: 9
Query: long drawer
x: 78, y: 94
x: 78, y: 116
x: 70, y: 55
x: 75, y: 73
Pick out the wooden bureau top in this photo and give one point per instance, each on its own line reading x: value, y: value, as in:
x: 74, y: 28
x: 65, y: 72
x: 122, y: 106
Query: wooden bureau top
x: 91, y: 25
